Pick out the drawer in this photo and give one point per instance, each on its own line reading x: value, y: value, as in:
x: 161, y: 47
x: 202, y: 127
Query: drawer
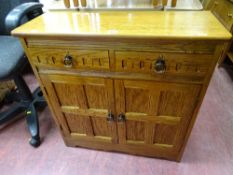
x: 172, y: 63
x: 223, y: 9
x: 70, y: 58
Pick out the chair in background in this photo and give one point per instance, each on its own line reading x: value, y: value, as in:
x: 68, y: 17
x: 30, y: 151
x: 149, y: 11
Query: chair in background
x: 12, y: 61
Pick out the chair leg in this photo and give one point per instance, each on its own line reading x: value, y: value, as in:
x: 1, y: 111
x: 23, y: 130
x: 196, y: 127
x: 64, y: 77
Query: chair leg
x: 39, y: 99
x: 24, y: 91
x: 32, y: 118
x: 8, y: 115
x: 28, y: 102
x: 33, y: 125
x: 27, y: 99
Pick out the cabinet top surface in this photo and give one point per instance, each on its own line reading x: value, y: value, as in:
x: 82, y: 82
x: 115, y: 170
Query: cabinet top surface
x: 126, y: 24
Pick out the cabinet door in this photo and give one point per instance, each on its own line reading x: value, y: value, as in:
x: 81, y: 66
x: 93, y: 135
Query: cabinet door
x: 156, y: 115
x: 83, y: 104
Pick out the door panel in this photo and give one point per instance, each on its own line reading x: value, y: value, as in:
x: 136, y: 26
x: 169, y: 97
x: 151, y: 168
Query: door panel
x: 156, y: 114
x: 138, y: 131
x: 164, y: 134
x: 96, y: 96
x: 84, y: 104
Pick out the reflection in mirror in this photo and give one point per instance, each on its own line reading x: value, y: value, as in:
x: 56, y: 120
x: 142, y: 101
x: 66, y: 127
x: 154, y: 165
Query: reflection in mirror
x: 118, y: 3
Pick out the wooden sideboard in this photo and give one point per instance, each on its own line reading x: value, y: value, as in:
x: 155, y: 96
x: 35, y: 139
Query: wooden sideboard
x: 124, y: 81
x: 223, y: 10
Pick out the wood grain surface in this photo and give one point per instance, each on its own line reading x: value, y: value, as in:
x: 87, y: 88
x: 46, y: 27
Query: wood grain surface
x: 163, y: 25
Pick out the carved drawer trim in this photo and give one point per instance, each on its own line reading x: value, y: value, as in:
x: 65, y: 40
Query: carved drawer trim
x: 176, y: 63
x: 81, y: 59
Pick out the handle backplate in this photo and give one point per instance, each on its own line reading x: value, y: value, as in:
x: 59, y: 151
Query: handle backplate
x: 160, y: 65
x: 110, y: 117
x: 121, y: 118
x: 68, y: 61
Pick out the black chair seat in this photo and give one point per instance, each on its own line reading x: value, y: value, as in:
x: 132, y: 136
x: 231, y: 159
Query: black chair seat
x: 12, y: 57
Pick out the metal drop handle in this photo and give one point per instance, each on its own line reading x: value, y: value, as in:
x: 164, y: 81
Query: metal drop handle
x: 121, y: 118
x: 110, y: 117
x: 68, y: 61
x: 160, y: 65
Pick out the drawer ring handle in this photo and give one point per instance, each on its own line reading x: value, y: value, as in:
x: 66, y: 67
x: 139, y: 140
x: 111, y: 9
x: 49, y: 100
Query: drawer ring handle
x: 160, y: 65
x: 68, y: 61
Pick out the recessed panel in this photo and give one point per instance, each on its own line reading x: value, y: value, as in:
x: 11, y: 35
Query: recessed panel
x: 164, y: 134
x: 100, y: 126
x: 170, y: 103
x: 135, y: 130
x: 68, y: 94
x: 76, y: 124
x: 96, y: 96
x: 137, y: 100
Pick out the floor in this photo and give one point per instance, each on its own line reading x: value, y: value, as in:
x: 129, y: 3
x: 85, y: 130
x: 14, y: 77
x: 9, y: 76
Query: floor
x: 208, y: 152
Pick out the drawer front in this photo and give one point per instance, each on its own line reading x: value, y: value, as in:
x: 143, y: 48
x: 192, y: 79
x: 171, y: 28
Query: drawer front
x: 223, y: 9
x: 79, y: 59
x: 174, y: 63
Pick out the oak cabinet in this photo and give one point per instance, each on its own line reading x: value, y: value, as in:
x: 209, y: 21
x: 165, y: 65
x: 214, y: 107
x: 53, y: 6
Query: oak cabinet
x: 112, y: 108
x: 131, y: 82
x: 223, y: 10
x: 145, y: 114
